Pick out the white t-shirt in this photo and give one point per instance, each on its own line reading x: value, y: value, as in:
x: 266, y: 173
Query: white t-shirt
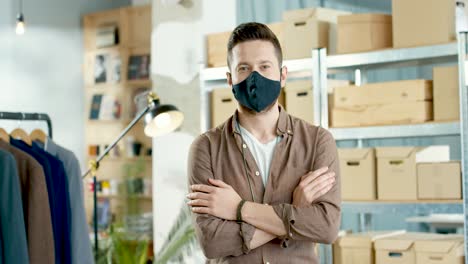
x: 263, y: 153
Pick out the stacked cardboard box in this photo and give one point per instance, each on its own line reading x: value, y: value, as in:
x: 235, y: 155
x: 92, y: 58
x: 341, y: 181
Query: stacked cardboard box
x: 420, y: 248
x: 446, y: 94
x: 307, y: 29
x: 364, y: 32
x: 359, y: 248
x: 383, y: 103
x: 300, y: 100
x: 423, y: 22
x: 399, y: 173
x: 440, y: 180
x: 392, y: 247
x: 358, y: 174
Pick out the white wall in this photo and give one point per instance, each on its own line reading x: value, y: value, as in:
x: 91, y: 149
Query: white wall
x: 41, y: 70
x: 178, y: 47
x: 41, y: 73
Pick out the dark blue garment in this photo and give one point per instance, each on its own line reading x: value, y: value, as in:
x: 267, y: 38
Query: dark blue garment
x: 57, y: 188
x: 80, y: 242
x: 12, y: 228
x: 63, y: 201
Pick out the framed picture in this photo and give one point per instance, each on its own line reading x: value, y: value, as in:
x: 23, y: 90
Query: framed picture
x: 100, y: 68
x: 138, y: 67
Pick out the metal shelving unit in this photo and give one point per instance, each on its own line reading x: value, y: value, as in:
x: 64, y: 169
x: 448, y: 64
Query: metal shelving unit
x: 415, y: 130
x: 452, y: 52
x: 318, y: 67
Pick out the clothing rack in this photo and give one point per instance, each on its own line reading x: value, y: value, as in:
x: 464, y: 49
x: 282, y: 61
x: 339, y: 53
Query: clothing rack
x: 28, y: 117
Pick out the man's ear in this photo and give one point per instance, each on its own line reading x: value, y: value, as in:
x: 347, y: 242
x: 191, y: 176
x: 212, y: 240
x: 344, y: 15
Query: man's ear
x: 284, y: 75
x: 229, y: 78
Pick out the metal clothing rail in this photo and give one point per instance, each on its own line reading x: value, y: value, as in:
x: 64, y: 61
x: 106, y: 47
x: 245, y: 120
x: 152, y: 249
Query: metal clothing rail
x: 28, y: 117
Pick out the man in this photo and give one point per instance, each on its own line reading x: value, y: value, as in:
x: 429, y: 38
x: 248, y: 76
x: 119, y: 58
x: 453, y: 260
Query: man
x: 264, y: 185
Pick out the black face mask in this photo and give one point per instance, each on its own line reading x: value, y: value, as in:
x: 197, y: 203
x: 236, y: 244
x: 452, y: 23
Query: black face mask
x: 257, y: 92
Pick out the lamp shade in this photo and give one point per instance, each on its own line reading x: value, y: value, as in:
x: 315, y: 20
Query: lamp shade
x: 162, y: 119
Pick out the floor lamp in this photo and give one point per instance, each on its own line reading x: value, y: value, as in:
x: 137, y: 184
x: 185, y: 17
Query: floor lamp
x: 159, y: 120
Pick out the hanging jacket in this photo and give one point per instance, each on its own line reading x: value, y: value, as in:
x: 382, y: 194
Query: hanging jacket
x: 12, y: 230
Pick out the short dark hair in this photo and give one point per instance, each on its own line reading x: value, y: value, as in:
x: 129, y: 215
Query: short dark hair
x: 253, y: 31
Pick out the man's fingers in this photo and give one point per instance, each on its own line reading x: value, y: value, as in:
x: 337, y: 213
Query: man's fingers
x: 218, y: 183
x: 322, y: 192
x: 203, y: 188
x: 198, y: 195
x: 317, y: 188
x: 319, y: 180
x: 313, y: 175
x: 201, y: 210
x: 199, y: 203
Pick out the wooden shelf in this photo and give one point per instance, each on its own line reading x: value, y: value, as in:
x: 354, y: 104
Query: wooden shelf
x: 145, y: 158
x: 120, y: 86
x: 117, y: 196
x: 138, y: 83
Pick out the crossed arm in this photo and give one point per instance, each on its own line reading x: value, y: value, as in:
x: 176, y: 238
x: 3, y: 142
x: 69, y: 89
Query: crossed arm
x: 215, y: 205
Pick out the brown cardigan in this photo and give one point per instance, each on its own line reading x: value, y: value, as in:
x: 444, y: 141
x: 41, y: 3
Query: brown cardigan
x: 303, y: 148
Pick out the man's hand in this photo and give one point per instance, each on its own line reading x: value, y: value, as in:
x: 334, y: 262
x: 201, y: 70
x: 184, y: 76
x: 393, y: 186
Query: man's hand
x: 312, y: 186
x: 219, y: 200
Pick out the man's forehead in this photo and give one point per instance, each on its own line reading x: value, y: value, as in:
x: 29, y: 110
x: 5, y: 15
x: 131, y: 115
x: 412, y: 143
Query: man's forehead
x: 251, y: 52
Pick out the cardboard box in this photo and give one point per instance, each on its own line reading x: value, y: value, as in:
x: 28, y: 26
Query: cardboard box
x: 336, y: 247
x: 388, y: 114
x: 358, y: 174
x: 217, y: 45
x: 446, y: 94
x: 447, y: 250
x: 359, y: 248
x: 307, y: 29
x: 396, y: 173
x: 423, y: 22
x: 364, y: 32
x: 217, y: 49
x: 300, y: 100
x: 400, y: 249
x: 224, y: 104
x: 439, y: 180
x: 383, y: 93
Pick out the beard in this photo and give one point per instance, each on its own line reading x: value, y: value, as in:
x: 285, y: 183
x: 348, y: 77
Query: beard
x: 253, y: 112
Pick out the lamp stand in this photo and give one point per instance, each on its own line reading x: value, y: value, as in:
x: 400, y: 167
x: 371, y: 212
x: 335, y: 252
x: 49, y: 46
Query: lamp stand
x: 94, y: 164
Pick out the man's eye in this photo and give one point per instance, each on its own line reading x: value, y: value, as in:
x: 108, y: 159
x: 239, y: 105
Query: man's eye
x: 241, y: 69
x: 264, y: 67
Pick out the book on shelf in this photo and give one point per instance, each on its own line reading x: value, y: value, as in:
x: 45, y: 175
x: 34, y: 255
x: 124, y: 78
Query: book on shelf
x: 105, y: 107
x: 107, y: 36
x: 95, y: 107
x: 139, y: 67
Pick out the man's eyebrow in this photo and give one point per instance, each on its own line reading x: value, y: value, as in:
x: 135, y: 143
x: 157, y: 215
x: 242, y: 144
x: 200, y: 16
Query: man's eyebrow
x: 242, y: 64
x: 265, y: 61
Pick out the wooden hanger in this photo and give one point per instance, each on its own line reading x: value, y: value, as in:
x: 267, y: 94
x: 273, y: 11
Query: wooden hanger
x: 19, y: 133
x: 4, y: 135
x: 38, y: 134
